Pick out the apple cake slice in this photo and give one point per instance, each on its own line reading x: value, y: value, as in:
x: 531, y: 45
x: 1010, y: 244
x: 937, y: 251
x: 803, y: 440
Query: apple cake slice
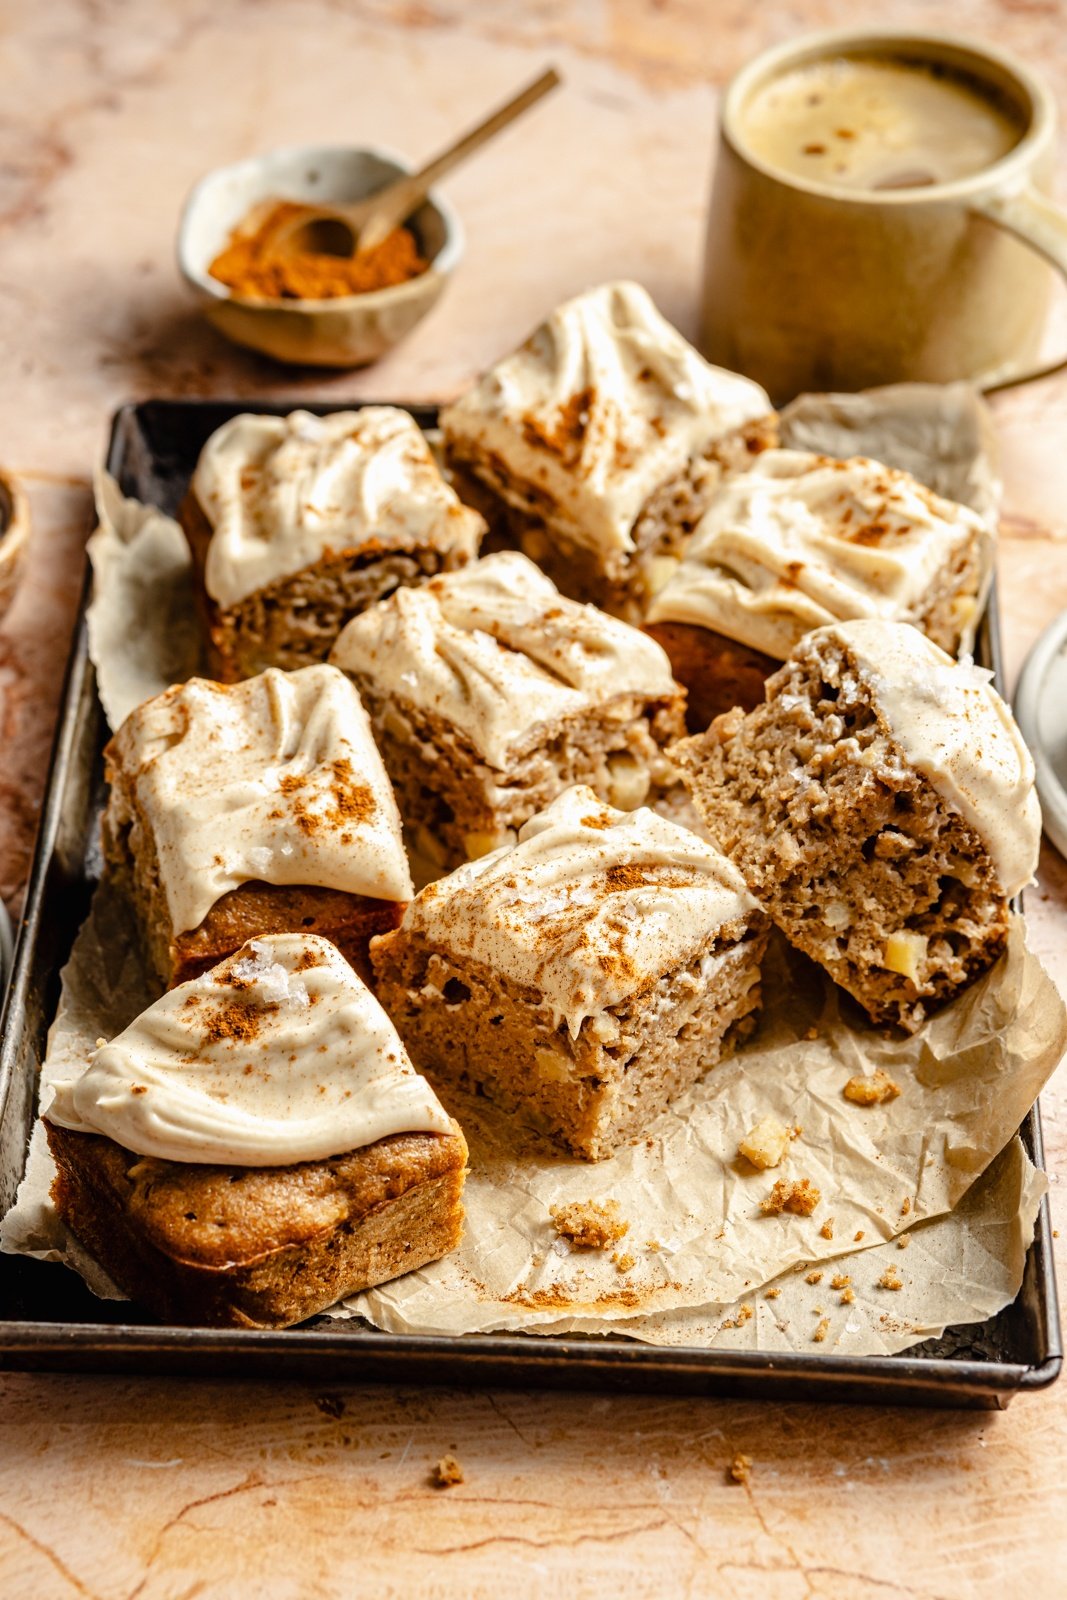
x: 256, y: 1145
x: 595, y: 446
x: 255, y: 809
x: 880, y: 804
x: 800, y: 541
x: 490, y: 693
x: 583, y: 978
x: 297, y: 523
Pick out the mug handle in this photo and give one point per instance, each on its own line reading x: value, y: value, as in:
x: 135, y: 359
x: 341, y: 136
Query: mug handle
x: 1034, y: 220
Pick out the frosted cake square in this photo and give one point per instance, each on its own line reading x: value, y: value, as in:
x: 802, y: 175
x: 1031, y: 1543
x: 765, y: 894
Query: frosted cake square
x: 256, y: 1145
x: 490, y: 693
x: 296, y: 523
x: 800, y: 541
x: 584, y: 978
x: 880, y: 804
x: 595, y: 446
x: 254, y: 809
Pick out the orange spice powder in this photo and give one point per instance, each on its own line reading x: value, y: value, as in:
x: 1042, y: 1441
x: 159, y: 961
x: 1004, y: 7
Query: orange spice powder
x: 249, y: 267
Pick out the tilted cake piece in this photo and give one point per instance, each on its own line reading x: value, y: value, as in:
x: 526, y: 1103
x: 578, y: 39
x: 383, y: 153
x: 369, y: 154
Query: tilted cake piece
x: 800, y: 541
x: 257, y: 1145
x: 585, y: 977
x: 261, y: 808
x: 296, y: 523
x: 490, y: 694
x: 881, y: 805
x: 595, y: 446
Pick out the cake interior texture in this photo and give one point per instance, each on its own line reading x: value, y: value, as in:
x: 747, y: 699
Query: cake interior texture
x: 591, y: 1093
x: 259, y: 1247
x: 294, y: 621
x: 852, y: 851
x: 456, y: 807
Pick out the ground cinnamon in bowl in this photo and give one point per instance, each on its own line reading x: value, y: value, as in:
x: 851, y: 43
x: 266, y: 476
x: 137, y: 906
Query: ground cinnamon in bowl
x: 248, y: 266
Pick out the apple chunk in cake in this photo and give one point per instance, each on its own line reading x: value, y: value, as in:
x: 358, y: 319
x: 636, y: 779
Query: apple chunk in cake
x: 582, y: 979
x: 595, y: 446
x: 490, y: 694
x: 258, y: 809
x: 880, y: 804
x: 800, y: 541
x: 297, y: 523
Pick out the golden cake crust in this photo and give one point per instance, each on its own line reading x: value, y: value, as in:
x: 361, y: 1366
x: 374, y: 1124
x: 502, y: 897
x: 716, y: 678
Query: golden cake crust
x: 259, y: 1247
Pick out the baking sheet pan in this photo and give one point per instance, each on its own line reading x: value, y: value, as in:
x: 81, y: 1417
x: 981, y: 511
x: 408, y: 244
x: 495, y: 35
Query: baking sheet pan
x: 49, y: 1320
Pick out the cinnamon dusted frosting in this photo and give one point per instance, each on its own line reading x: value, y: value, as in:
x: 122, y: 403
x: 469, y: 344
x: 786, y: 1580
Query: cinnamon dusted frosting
x: 277, y: 779
x: 590, y: 905
x: 282, y: 492
x: 800, y: 540
x: 954, y: 728
x: 279, y: 1054
x: 603, y: 404
x: 498, y: 652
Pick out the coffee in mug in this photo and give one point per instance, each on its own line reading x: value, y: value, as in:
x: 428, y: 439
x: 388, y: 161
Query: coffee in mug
x: 869, y: 123
x: 879, y: 215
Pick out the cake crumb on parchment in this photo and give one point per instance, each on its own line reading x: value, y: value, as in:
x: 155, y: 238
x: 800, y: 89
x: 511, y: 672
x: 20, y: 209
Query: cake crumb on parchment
x: 800, y: 1198
x: 872, y: 1091
x: 739, y: 1469
x: 589, y: 1224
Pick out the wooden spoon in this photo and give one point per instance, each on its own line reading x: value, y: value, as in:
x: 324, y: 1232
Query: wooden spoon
x: 371, y: 220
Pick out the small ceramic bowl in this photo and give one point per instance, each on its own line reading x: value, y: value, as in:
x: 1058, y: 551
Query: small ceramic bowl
x: 349, y: 331
x: 14, y: 533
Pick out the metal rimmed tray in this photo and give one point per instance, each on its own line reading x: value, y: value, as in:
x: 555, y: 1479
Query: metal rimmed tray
x: 49, y: 1320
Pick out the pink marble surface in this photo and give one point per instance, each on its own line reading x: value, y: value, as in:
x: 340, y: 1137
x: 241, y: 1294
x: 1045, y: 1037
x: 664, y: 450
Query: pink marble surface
x: 111, y: 109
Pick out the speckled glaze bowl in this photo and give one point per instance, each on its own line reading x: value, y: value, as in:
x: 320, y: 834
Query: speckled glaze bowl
x: 349, y: 331
x: 14, y: 534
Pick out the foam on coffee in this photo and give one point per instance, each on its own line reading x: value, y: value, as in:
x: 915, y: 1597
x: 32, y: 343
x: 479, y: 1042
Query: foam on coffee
x: 878, y: 123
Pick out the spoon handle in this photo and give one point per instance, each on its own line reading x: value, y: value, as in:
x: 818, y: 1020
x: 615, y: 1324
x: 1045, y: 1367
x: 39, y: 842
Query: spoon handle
x: 405, y: 196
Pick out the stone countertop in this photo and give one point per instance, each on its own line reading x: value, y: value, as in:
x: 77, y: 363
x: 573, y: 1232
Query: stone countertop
x: 128, y: 1487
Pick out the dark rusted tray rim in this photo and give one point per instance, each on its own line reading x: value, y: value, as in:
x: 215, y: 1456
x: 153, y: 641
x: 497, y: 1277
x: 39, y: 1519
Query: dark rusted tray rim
x: 501, y: 1359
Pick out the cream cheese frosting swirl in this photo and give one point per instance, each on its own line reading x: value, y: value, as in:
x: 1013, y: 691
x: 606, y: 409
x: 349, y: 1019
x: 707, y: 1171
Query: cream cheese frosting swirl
x: 589, y: 905
x: 800, y: 540
x: 603, y: 404
x: 954, y: 728
x: 276, y: 779
x: 279, y: 1054
x: 498, y: 652
x: 280, y: 493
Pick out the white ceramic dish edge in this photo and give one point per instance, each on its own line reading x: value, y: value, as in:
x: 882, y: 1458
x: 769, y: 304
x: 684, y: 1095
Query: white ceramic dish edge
x: 1041, y: 712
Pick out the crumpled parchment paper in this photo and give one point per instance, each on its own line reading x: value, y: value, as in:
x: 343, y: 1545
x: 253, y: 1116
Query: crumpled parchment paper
x: 143, y: 629
x: 697, y: 1233
x: 939, y: 1164
x: 958, y: 1268
x: 698, y: 1238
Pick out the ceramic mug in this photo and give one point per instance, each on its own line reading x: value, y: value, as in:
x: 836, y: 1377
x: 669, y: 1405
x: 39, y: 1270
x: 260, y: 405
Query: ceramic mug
x: 812, y: 287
